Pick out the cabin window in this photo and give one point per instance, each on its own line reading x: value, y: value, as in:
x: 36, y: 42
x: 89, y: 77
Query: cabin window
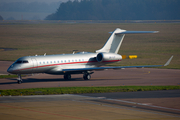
x: 76, y: 60
x: 58, y: 61
x: 39, y: 62
x: 69, y: 61
x: 79, y: 59
x: 51, y: 61
x: 43, y: 62
x: 64, y: 60
x: 47, y: 62
x: 61, y: 61
x: 82, y: 59
x: 72, y: 60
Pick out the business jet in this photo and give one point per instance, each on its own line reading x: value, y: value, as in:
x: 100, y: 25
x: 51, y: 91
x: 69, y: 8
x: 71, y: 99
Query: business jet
x: 77, y: 63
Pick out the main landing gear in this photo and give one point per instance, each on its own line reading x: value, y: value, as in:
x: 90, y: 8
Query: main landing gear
x: 19, y: 80
x: 86, y: 76
x: 67, y: 76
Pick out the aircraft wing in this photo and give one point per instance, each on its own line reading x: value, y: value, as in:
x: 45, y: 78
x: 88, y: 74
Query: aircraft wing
x: 115, y: 67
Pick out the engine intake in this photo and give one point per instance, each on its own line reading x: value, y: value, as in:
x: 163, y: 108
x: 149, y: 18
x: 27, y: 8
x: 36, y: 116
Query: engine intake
x: 108, y: 57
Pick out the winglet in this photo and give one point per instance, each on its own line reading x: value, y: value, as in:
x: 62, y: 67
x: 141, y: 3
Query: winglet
x: 167, y: 63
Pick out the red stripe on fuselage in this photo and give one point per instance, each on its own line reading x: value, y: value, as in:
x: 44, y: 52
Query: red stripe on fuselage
x: 67, y: 63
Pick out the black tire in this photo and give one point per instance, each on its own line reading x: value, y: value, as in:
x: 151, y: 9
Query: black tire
x: 19, y: 81
x: 86, y: 76
x: 67, y: 77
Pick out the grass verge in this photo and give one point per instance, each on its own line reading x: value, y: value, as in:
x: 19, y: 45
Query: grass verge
x: 10, y: 76
x: 83, y: 90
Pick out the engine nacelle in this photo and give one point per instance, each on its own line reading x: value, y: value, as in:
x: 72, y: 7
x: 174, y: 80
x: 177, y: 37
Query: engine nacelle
x: 108, y: 57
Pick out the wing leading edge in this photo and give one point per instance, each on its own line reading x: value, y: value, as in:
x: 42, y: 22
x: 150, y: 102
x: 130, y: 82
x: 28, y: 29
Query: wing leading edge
x: 118, y: 67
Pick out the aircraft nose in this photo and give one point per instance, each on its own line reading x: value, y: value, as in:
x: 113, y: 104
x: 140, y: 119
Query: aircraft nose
x: 10, y: 69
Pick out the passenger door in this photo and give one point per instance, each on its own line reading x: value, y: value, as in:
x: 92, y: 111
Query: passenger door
x: 34, y: 61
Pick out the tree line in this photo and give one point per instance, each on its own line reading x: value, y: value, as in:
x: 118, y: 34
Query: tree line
x: 117, y: 10
x: 28, y: 7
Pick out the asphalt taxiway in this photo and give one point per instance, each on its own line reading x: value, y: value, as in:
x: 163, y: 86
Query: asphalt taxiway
x: 127, y: 77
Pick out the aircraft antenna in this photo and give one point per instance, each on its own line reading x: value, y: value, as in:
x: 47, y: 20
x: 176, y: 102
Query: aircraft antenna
x: 74, y: 51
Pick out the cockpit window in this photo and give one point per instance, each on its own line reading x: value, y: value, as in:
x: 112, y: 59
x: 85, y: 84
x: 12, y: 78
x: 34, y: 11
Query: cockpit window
x: 25, y: 61
x: 19, y: 61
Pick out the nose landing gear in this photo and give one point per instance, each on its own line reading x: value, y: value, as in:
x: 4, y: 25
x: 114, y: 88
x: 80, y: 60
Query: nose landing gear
x: 19, y: 80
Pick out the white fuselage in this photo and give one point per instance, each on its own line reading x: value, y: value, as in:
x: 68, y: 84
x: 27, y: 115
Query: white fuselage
x: 54, y: 64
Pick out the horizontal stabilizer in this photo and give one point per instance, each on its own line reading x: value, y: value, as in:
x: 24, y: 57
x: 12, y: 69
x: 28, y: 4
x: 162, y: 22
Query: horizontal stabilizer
x: 115, y: 40
x: 136, y: 32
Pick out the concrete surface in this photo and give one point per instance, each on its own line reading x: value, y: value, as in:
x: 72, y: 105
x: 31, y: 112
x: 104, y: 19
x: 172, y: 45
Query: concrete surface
x: 81, y: 107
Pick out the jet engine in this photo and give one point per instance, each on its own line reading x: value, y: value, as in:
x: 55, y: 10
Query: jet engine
x: 108, y: 57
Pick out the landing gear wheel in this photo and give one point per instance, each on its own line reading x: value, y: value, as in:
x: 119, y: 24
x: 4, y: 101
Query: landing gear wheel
x: 19, y: 81
x: 86, y: 76
x: 67, y: 77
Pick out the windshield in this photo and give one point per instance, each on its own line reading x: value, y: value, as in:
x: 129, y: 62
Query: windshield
x: 21, y: 61
x: 25, y: 61
x: 18, y: 62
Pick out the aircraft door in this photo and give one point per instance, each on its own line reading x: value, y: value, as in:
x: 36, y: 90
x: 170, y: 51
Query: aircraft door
x: 35, y: 65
